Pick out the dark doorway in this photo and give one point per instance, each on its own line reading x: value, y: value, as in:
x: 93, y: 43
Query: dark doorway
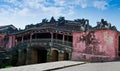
x: 54, y: 55
x: 42, y: 56
x: 38, y: 56
x: 119, y: 47
x: 14, y: 60
x: 66, y: 56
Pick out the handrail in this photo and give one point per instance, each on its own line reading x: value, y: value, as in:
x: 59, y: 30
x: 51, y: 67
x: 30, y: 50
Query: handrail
x: 46, y: 40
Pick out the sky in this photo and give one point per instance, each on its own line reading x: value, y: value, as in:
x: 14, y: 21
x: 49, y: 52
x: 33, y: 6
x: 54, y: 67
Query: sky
x: 24, y: 12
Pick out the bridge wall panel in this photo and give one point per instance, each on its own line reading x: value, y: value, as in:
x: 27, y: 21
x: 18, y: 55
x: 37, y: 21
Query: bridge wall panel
x: 100, y: 45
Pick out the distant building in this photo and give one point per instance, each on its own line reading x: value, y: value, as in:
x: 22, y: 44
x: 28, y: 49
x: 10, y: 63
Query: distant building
x: 5, y: 31
x: 8, y: 29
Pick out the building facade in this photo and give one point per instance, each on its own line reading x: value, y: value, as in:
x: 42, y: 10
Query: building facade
x: 64, y: 40
x: 5, y: 31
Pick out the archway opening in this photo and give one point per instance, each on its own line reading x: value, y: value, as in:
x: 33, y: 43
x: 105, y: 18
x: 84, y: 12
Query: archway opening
x: 42, y: 56
x: 66, y: 56
x: 34, y: 56
x: 55, y: 55
x: 38, y: 56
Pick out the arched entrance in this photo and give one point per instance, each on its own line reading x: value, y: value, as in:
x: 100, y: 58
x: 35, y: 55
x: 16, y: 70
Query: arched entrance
x: 38, y: 55
x: 42, y: 56
x: 66, y: 56
x: 34, y: 56
x: 55, y: 55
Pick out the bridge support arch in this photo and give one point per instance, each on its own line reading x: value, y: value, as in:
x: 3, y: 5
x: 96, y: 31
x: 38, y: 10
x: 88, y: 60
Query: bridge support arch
x: 59, y: 55
x: 32, y: 55
x: 38, y: 55
x: 63, y: 56
x: 66, y: 56
x: 54, y: 55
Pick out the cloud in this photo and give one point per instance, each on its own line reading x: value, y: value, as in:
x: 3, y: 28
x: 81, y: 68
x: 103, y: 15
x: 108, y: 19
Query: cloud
x: 60, y: 2
x: 25, y: 11
x: 54, y: 7
x: 13, y: 10
x: 24, y: 7
x: 83, y: 3
x: 65, y: 3
x: 100, y: 4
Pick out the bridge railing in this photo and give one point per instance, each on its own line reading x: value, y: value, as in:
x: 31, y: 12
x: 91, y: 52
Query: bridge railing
x: 46, y: 41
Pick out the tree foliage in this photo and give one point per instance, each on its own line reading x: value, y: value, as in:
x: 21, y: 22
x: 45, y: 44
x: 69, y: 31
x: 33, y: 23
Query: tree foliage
x: 44, y: 21
x: 61, y: 21
x: 52, y: 20
x: 29, y: 26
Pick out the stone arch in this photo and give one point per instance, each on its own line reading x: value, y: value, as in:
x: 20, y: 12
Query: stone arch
x: 54, y: 55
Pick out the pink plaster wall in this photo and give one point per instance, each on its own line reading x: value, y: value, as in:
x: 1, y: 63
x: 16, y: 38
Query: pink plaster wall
x: 11, y: 42
x: 6, y: 44
x: 100, y: 45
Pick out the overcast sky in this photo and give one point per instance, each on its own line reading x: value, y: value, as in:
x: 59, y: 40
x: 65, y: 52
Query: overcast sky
x: 23, y: 12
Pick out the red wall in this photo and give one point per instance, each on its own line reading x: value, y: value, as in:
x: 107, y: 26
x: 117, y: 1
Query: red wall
x: 11, y: 43
x: 100, y: 45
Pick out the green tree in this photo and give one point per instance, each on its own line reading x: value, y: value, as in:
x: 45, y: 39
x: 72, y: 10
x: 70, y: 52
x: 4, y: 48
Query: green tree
x: 52, y: 20
x: 61, y: 21
x: 44, y: 21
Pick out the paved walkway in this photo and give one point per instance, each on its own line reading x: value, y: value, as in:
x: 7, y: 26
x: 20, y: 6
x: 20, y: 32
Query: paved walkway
x: 68, y: 66
x: 45, y: 66
x: 106, y: 66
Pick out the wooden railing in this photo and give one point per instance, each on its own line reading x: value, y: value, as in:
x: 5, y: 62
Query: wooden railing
x: 48, y: 41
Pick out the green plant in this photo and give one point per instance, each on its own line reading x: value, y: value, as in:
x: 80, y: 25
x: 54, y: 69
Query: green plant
x: 8, y: 66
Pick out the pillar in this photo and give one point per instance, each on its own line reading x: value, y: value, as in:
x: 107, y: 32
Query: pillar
x: 28, y: 56
x: 31, y: 37
x: 63, y: 39
x: 51, y: 37
x: 19, y: 57
x: 22, y: 39
x: 56, y: 37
